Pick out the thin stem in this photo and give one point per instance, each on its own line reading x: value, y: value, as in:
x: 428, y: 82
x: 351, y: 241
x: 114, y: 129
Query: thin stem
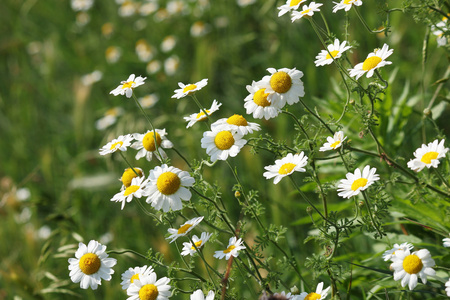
x: 202, y: 109
x: 128, y: 163
x: 365, y: 24
x: 444, y: 181
x: 386, y: 84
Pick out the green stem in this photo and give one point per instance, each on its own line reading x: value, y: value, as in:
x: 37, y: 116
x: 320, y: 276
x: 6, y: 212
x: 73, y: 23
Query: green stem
x: 365, y: 24
x: 128, y: 163
x: 444, y: 181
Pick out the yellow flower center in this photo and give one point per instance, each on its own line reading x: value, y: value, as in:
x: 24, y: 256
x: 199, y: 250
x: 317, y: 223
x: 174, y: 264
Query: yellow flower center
x: 148, y: 292
x: 335, y: 144
x: 189, y: 88
x: 371, y: 63
x: 306, y: 11
x: 168, y: 183
x: 347, y: 2
x: 229, y: 249
x: 128, y: 176
x: 358, y: 183
x: 184, y: 228
x: 127, y: 85
x: 313, y: 296
x: 412, y: 264
x: 281, y: 82
x: 116, y: 145
x: 237, y: 120
x: 294, y: 2
x: 260, y: 98
x: 427, y: 157
x: 149, y: 141
x: 286, y: 168
x: 201, y: 115
x: 89, y: 263
x: 333, y: 54
x: 134, y: 277
x: 131, y: 189
x: 224, y: 140
x: 197, y: 244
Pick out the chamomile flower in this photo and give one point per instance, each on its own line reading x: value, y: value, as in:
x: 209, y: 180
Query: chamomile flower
x: 346, y: 4
x: 290, y: 5
x: 190, y: 88
x: 145, y: 143
x: 238, y: 124
x: 283, y: 85
x: 336, y: 49
x: 446, y: 242
x: 308, y: 11
x: 121, y: 144
x: 374, y: 60
x: 257, y: 103
x: 234, y: 245
x: 91, y: 265
x: 221, y: 143
x: 283, y: 295
x: 389, y: 254
x: 334, y: 142
x: 200, y: 116
x: 136, y: 189
x: 167, y: 187
x: 439, y: 31
x: 198, y: 295
x: 409, y: 267
x: 149, y: 288
x: 319, y: 294
x: 428, y: 156
x: 130, y: 275
x: 188, y: 248
x: 447, y: 287
x: 81, y: 5
x: 126, y: 87
x: 286, y: 166
x: 128, y: 175
x: 184, y: 229
x: 357, y: 182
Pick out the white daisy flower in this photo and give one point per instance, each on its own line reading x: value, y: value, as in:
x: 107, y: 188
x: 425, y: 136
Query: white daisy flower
x: 121, y: 143
x: 81, y: 5
x: 184, y: 229
x: 190, y: 88
x: 389, y: 254
x: 198, y: 117
x: 318, y: 295
x: 257, y: 103
x: 333, y: 142
x: 283, y: 85
x: 290, y: 5
x: 148, y: 288
x: 357, y: 182
x: 145, y: 143
x: 136, y: 189
x: 346, y: 4
x: 447, y: 287
x: 234, y: 245
x: 283, y: 295
x: 130, y: 275
x: 198, y: 295
x: 446, y: 242
x: 126, y: 87
x: 308, y: 11
x: 336, y: 50
x: 148, y: 101
x: 128, y: 175
x: 408, y: 267
x: 188, y: 248
x: 91, y: 265
x: 238, y: 124
x: 286, y: 166
x: 220, y: 143
x: 439, y: 31
x: 167, y: 187
x: 374, y: 60
x: 428, y: 156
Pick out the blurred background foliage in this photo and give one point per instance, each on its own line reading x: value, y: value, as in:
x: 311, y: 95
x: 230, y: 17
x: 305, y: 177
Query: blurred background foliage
x: 55, y: 188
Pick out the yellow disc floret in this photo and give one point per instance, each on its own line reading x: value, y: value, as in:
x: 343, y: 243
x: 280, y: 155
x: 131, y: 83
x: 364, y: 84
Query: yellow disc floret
x: 89, y: 263
x: 148, y: 292
x: 347, y: 2
x: 371, y: 63
x: 131, y: 189
x: 229, y: 249
x: 201, y: 115
x: 333, y: 54
x: 260, y: 98
x: 412, y: 264
x: 134, y: 277
x: 358, y: 183
x: 294, y: 2
x: 116, y: 145
x: 313, y: 296
x: 281, y: 82
x: 197, y: 244
x: 237, y: 120
x: 128, y: 175
x: 168, y: 183
x: 189, y: 88
x: 184, y: 228
x: 286, y: 168
x: 427, y: 157
x: 128, y: 85
x: 224, y: 140
x: 335, y: 144
x: 149, y: 141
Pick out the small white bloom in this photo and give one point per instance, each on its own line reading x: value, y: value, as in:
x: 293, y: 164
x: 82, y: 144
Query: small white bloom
x: 188, y: 248
x: 145, y: 143
x: 357, y: 182
x: 126, y: 87
x: 319, y: 294
x: 234, y: 245
x: 198, y: 295
x: 185, y: 90
x: 168, y: 43
x: 257, y: 103
x: 81, y: 5
x: 283, y: 295
x: 148, y: 101
x: 346, y: 4
x: 446, y: 242
x: 286, y: 166
x: 220, y: 143
x: 308, y: 11
x: 333, y: 142
x: 374, y: 60
x: 428, y: 156
x: 121, y: 143
x: 184, y: 229
x: 290, y: 5
x: 409, y: 267
x: 447, y: 287
x: 238, y: 124
x: 148, y: 287
x: 109, y: 118
x: 336, y: 49
x: 130, y: 275
x: 91, y: 78
x: 171, y: 65
x: 200, y: 116
x: 136, y: 189
x: 389, y: 254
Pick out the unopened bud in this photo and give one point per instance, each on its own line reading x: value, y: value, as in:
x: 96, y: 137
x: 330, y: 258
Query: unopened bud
x: 295, y: 290
x: 237, y: 194
x: 352, y: 102
x: 427, y: 112
x: 361, y: 203
x: 309, y: 210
